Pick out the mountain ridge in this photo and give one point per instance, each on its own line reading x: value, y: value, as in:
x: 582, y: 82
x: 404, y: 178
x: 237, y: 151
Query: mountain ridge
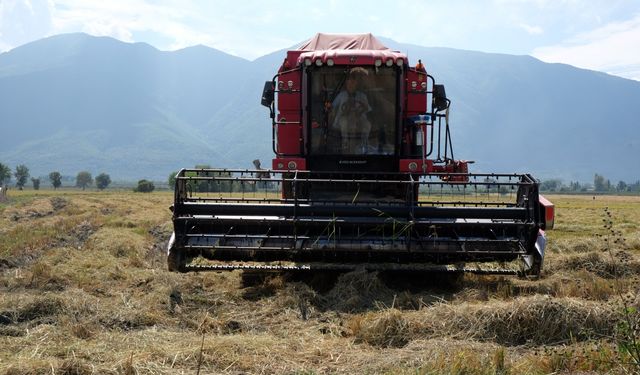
x: 76, y: 102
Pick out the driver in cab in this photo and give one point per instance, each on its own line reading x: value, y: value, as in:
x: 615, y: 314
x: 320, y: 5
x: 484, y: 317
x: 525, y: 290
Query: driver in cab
x: 350, y: 108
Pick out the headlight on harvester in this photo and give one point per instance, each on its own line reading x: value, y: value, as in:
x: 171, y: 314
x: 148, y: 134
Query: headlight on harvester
x: 318, y: 62
x: 389, y: 62
x: 400, y: 62
x: 292, y: 165
x: 378, y: 62
x: 413, y: 166
x: 330, y: 62
x: 307, y: 61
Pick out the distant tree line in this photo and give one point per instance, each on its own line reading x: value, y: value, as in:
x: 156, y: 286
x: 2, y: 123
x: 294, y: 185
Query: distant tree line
x: 83, y: 179
x: 21, y: 174
x: 600, y: 184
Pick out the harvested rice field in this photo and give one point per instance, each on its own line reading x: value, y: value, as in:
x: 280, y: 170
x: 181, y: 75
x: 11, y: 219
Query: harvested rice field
x: 84, y: 290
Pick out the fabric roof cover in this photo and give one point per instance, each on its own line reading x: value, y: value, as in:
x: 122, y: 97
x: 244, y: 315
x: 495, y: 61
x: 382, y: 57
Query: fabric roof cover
x: 342, y: 42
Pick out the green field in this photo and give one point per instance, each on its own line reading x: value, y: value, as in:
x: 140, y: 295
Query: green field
x: 84, y: 290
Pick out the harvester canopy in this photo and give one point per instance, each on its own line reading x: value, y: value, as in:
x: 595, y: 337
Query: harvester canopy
x: 322, y: 42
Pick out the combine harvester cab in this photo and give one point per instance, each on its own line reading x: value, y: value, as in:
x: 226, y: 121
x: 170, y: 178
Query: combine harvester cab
x: 363, y: 176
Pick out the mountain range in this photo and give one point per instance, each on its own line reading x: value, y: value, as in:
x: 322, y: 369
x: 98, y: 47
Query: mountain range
x: 76, y: 102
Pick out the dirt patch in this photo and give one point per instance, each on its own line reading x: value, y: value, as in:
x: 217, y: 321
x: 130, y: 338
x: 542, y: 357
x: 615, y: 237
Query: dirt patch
x: 58, y: 203
x: 4, y: 319
x: 130, y: 320
x: 37, y: 209
x: 77, y: 236
x: 42, y: 307
x: 258, y: 284
x: 157, y: 254
x: 6, y: 264
x: 39, y: 310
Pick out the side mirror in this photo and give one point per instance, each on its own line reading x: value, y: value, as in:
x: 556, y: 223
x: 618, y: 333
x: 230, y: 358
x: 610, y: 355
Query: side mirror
x: 440, y: 101
x: 267, y: 94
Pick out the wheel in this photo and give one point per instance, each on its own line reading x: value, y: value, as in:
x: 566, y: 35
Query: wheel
x: 175, y: 257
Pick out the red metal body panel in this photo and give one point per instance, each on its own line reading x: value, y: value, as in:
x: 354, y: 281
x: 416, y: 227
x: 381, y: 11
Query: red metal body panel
x: 416, y: 97
x: 288, y: 128
x: 292, y: 57
x: 284, y: 164
x: 549, y: 211
x: 288, y: 138
x: 289, y: 91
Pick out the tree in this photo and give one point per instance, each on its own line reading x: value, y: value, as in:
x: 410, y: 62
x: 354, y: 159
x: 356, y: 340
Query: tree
x: 36, y: 183
x: 84, y: 179
x: 21, y: 174
x: 144, y: 186
x: 5, y: 174
x: 551, y: 185
x: 575, y: 186
x: 599, y: 183
x: 204, y: 185
x: 56, y: 179
x: 172, y: 180
x: 622, y: 186
x: 102, y: 181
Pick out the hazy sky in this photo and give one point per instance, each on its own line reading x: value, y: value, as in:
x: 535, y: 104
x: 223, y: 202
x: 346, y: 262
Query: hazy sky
x: 594, y: 34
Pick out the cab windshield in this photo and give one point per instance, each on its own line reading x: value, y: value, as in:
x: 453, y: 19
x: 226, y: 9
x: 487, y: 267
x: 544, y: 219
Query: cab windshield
x: 352, y: 111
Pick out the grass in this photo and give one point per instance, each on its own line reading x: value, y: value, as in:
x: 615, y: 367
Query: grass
x: 84, y: 290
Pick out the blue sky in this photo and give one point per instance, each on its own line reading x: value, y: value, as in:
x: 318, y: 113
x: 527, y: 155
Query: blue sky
x: 601, y: 35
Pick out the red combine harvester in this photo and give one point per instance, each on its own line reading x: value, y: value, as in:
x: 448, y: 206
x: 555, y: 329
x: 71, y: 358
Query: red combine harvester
x: 363, y: 176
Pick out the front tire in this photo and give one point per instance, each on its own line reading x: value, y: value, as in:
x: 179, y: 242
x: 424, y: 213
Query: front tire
x: 175, y: 257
